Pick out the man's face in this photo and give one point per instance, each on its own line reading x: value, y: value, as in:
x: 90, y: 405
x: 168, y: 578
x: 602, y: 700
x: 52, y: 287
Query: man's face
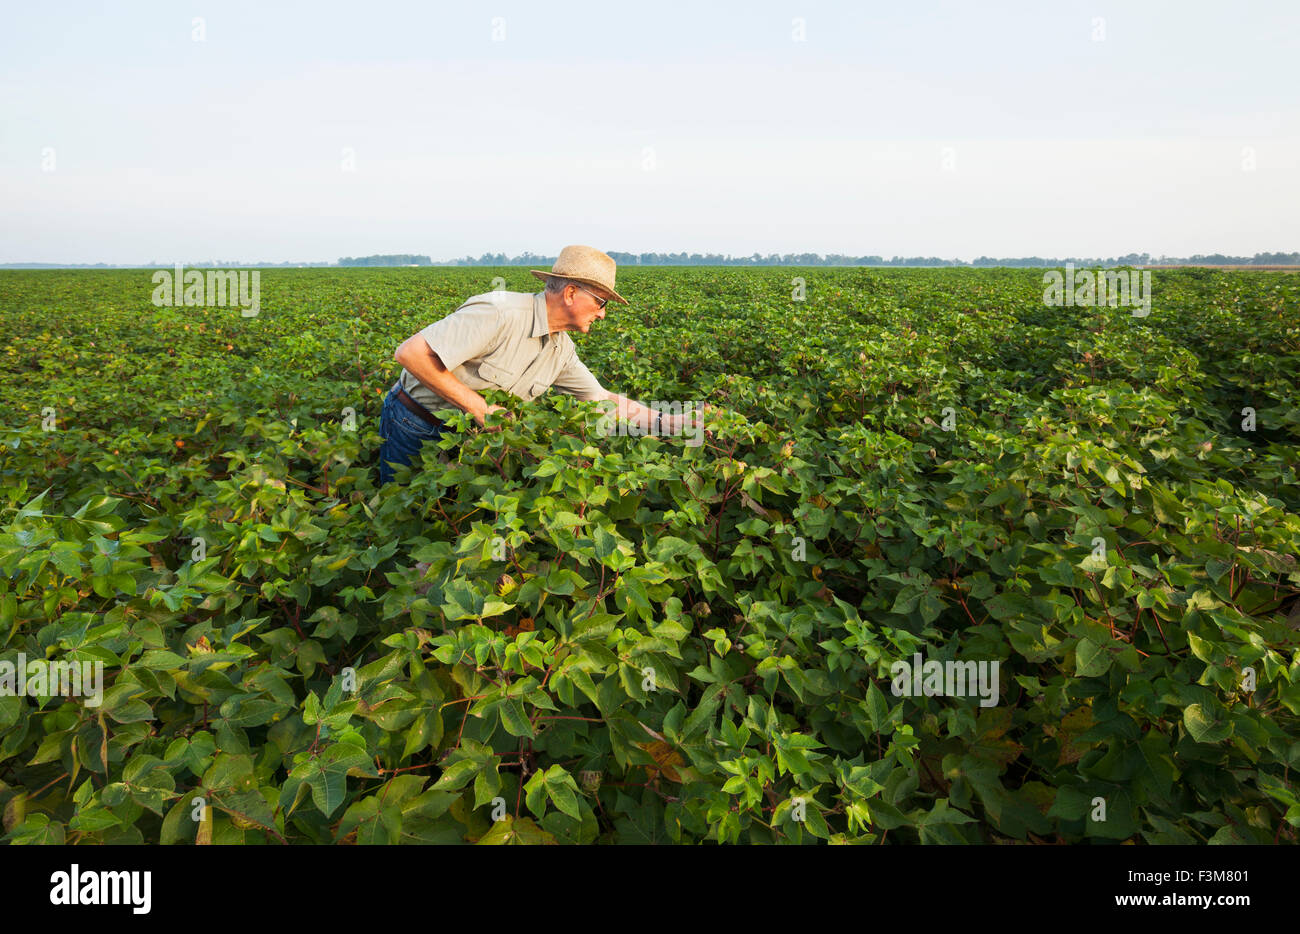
x: 586, y: 307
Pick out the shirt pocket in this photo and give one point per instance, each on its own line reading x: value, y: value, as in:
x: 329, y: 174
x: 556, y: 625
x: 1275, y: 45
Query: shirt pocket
x: 495, y: 373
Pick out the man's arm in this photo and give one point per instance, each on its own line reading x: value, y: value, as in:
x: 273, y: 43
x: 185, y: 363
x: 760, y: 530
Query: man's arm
x: 423, y: 362
x: 651, y: 421
x: 634, y: 411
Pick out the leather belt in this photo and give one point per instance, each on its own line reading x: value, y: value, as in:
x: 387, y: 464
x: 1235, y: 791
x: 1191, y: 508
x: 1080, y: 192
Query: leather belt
x: 418, y: 409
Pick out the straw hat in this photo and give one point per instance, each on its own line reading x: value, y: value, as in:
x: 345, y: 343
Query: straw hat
x: 584, y: 264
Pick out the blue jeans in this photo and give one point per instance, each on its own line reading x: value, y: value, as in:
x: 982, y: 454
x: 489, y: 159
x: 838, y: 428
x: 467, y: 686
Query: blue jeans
x: 402, y: 432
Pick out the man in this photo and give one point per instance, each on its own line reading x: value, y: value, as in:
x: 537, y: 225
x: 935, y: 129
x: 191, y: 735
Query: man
x: 514, y: 341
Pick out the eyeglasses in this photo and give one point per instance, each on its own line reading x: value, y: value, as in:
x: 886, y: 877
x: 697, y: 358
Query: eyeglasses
x: 600, y: 302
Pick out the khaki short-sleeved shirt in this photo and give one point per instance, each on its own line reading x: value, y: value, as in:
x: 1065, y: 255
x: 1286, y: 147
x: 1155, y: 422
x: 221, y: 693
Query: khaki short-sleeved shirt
x: 501, y: 340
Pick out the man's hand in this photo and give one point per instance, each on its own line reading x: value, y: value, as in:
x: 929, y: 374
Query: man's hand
x: 490, y: 409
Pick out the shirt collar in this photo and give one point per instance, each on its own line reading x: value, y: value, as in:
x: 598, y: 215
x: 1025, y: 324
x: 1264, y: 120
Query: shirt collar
x: 541, y: 324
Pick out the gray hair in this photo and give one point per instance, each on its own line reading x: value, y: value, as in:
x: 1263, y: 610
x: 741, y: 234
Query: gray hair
x: 557, y: 284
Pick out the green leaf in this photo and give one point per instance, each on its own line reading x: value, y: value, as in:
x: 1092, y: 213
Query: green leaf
x: 486, y: 785
x: 39, y: 829
x: 326, y: 774
x: 1217, y: 567
x: 535, y: 793
x: 562, y: 790
x: 510, y: 831
x: 1091, y: 659
x: 162, y: 660
x: 1207, y: 725
x: 456, y: 775
x: 513, y: 718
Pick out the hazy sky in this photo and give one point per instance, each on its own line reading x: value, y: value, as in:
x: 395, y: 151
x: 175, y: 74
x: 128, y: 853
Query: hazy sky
x: 308, y: 131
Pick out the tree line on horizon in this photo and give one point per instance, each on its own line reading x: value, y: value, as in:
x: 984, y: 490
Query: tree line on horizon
x: 832, y: 259
x: 717, y: 259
